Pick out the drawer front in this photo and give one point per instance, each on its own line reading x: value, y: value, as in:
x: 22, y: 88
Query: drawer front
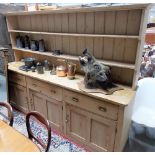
x: 91, y: 104
x: 49, y: 90
x: 17, y: 78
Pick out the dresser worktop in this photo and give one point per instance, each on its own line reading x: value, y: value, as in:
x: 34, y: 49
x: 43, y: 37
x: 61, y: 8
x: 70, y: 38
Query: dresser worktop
x: 120, y: 97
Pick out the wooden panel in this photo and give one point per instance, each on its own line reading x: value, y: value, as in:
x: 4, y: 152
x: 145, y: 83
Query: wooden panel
x: 27, y: 23
x: 127, y: 76
x: 51, y: 26
x: 51, y: 91
x: 65, y: 44
x: 89, y: 23
x: 134, y: 19
x: 121, y: 22
x: 91, y: 104
x: 44, y: 20
x: 38, y: 103
x: 99, y: 23
x: 72, y: 45
x: 109, y: 22
x: 17, y: 78
x: 80, y: 22
x: 108, y: 48
x: 36, y: 23
x: 58, y: 42
x: 65, y: 23
x: 90, y: 44
x: 98, y: 47
x: 130, y: 50
x: 54, y: 111
x: 80, y: 45
x: 118, y: 49
x: 12, y: 22
x: 102, y: 134
x: 72, y: 23
x: 57, y: 22
x: 77, y: 124
x: 52, y: 42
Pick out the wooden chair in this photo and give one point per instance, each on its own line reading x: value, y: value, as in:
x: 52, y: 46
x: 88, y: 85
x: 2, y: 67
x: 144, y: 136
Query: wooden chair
x: 45, y: 122
x: 10, y: 111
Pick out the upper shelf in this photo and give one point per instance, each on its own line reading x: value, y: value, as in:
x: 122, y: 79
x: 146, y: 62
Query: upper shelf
x: 76, y: 34
x: 76, y: 58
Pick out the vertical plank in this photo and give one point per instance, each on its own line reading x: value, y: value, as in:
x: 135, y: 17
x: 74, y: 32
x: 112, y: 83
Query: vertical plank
x: 12, y: 22
x: 65, y: 23
x: 65, y: 44
x: 99, y: 22
x: 89, y: 23
x: 52, y: 42
x: 80, y: 45
x: 44, y: 20
x: 57, y: 22
x: 98, y: 47
x: 72, y: 45
x: 90, y: 44
x: 109, y: 22
x: 121, y: 22
x: 27, y: 23
x: 58, y: 42
x: 130, y: 50
x: 126, y: 79
x: 118, y: 50
x: 21, y: 23
x: 108, y: 44
x: 80, y: 22
x: 134, y: 19
x: 51, y: 27
x: 116, y: 74
x: 72, y: 23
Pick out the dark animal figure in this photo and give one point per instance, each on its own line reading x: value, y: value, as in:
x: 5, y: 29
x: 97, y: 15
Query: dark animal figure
x: 97, y: 75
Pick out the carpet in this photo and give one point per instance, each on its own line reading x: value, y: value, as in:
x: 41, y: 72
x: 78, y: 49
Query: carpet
x: 59, y: 143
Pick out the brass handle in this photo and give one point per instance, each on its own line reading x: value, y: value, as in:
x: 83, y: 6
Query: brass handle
x: 53, y: 91
x: 75, y: 99
x: 103, y: 109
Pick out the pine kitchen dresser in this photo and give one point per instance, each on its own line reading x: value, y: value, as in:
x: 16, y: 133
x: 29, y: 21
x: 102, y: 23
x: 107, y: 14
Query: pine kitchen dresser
x: 115, y: 36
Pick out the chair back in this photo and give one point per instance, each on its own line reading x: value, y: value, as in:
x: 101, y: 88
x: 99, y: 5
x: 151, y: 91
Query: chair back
x: 10, y: 111
x: 45, y: 122
x: 144, y: 104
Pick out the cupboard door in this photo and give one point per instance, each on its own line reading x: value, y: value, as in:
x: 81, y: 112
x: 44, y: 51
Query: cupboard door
x: 102, y: 133
x: 18, y: 97
x: 90, y: 129
x: 12, y: 94
x: 54, y: 113
x: 21, y: 98
x: 38, y: 102
x: 77, y: 123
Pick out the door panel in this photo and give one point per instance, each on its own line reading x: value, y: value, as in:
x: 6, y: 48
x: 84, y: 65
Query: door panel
x: 54, y: 113
x: 38, y: 103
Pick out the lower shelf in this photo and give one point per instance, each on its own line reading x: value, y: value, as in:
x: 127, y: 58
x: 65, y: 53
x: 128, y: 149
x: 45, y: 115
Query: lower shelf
x: 76, y: 58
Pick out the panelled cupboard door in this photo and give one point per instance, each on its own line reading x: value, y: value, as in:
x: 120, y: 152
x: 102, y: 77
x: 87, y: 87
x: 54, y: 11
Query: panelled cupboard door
x: 18, y: 96
x: 38, y: 102
x: 54, y: 113
x: 90, y: 129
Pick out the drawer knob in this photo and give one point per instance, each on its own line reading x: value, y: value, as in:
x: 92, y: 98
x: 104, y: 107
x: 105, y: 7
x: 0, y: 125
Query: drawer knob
x: 53, y: 91
x: 75, y: 99
x: 103, y: 109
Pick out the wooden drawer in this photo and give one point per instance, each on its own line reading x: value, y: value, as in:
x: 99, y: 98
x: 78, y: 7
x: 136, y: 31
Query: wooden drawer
x: 91, y: 104
x: 49, y: 90
x: 17, y: 78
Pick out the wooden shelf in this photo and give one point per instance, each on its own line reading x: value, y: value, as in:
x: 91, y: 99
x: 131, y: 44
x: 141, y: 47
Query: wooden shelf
x: 70, y: 57
x: 76, y: 34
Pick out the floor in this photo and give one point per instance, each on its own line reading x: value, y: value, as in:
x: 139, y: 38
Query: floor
x: 2, y: 88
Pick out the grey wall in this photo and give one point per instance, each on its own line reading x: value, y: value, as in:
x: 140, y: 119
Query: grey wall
x: 4, y: 35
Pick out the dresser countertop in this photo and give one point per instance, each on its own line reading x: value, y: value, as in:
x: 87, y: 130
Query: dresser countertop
x: 120, y: 97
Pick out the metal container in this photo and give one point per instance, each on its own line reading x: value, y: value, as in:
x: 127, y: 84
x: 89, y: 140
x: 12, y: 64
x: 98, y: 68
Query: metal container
x: 29, y: 62
x: 40, y: 68
x: 61, y: 71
